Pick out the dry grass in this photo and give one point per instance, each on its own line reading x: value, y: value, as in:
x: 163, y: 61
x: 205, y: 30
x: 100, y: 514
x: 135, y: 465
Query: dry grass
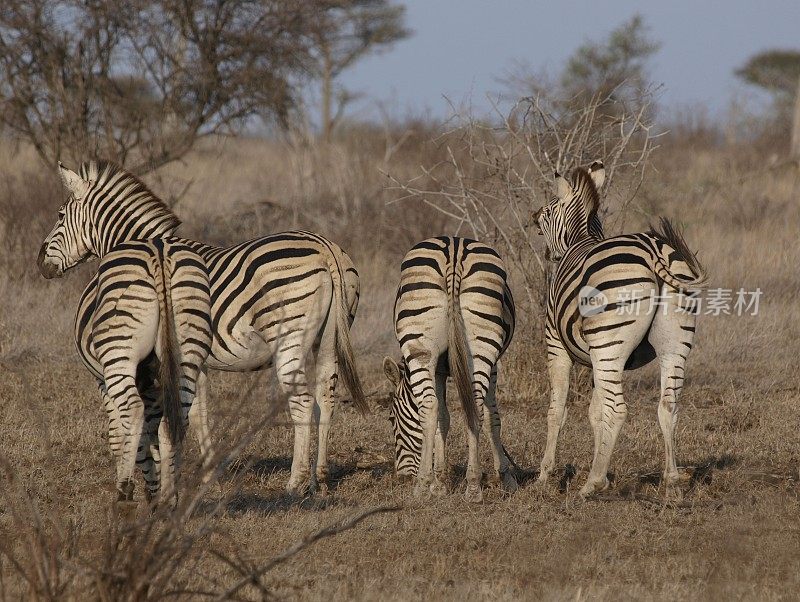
x: 733, y: 535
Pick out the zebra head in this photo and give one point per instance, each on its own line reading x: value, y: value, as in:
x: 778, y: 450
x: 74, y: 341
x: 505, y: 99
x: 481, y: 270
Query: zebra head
x: 69, y: 242
x: 106, y: 206
x: 404, y: 416
x: 572, y: 213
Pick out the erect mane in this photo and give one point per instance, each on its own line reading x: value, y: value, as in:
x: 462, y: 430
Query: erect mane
x: 103, y: 172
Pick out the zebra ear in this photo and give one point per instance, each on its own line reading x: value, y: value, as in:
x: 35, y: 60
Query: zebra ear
x: 598, y: 172
x: 391, y: 370
x: 75, y: 184
x: 563, y: 189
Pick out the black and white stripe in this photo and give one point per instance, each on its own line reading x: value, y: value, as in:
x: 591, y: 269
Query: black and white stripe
x: 613, y: 304
x: 454, y: 316
x: 274, y: 301
x: 151, y: 312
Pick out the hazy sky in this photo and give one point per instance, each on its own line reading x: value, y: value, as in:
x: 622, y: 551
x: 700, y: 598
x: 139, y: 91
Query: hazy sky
x: 460, y: 46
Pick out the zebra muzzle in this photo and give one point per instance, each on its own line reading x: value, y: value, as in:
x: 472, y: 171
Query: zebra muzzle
x: 47, y: 269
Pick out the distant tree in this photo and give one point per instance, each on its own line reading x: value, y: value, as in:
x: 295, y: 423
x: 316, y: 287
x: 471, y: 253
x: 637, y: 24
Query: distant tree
x: 140, y: 81
x: 778, y: 72
x: 613, y: 67
x: 344, y: 32
x: 612, y: 71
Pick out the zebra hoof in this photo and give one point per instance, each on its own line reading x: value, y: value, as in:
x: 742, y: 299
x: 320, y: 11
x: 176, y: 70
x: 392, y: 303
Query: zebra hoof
x: 592, y: 487
x: 493, y: 480
x: 298, y: 490
x: 125, y: 510
x: 473, y: 494
x: 321, y: 488
x: 438, y: 488
x: 125, y: 491
x: 510, y: 484
x: 422, y: 491
x: 540, y: 485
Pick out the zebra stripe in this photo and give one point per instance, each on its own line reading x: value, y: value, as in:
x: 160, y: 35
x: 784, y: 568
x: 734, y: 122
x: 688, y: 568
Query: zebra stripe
x: 274, y: 300
x: 603, y: 311
x: 454, y: 316
x: 152, y: 309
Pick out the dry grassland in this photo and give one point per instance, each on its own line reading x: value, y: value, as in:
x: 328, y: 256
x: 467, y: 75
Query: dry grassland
x: 734, y: 534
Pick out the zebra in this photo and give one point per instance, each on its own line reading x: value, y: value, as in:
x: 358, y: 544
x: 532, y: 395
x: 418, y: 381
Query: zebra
x: 603, y: 311
x: 454, y: 316
x: 152, y: 301
x: 274, y: 300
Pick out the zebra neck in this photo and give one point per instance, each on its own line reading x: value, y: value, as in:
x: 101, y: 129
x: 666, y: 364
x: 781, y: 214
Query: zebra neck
x: 582, y: 246
x: 584, y: 239
x: 115, y: 234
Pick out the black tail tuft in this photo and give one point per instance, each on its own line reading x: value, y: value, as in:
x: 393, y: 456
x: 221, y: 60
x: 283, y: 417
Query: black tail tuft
x: 674, y: 238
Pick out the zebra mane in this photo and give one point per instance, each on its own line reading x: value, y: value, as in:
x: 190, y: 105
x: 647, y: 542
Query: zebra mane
x: 103, y: 172
x: 587, y: 193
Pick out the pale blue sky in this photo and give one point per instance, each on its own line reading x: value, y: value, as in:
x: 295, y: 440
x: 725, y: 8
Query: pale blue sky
x: 461, y: 46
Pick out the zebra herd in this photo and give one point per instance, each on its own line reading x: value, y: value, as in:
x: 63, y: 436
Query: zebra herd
x: 161, y: 310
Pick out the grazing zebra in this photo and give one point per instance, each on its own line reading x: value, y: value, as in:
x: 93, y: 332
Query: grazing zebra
x: 613, y: 304
x: 152, y: 301
x: 274, y: 300
x: 454, y: 316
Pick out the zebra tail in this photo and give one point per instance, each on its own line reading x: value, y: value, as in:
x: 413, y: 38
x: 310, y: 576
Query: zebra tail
x: 344, y: 347
x: 458, y: 358
x: 667, y: 232
x: 170, y: 368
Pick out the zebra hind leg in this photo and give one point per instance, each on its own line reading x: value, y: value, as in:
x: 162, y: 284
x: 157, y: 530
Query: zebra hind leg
x: 671, y: 336
x: 198, y: 422
x: 148, y: 456
x: 502, y: 474
x: 607, y: 413
x: 290, y: 367
x: 130, y: 407
x: 474, y: 493
x: 326, y: 377
x: 559, y: 366
x: 440, y: 484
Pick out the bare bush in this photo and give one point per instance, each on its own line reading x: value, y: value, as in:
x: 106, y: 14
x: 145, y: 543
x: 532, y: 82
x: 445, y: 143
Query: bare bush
x: 496, y: 174
x: 140, y: 82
